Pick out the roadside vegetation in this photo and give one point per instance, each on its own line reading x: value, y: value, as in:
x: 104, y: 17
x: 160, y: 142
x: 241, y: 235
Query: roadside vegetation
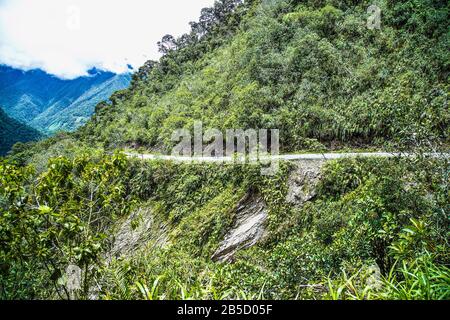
x: 377, y: 228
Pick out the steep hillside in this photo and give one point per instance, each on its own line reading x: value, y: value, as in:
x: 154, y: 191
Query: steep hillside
x: 312, y: 69
x: 52, y: 104
x: 358, y: 228
x: 12, y: 131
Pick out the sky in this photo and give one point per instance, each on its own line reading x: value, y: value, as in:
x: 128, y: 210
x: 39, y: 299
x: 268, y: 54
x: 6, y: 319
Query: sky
x: 66, y: 38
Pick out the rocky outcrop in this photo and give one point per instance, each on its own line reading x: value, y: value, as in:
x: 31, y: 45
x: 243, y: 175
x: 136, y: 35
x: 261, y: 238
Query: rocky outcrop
x: 251, y: 212
x: 303, y: 182
x: 138, y: 230
x: 248, y: 228
x: 374, y: 279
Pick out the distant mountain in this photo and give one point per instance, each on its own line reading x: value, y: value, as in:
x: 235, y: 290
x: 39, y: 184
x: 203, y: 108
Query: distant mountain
x: 50, y: 104
x: 12, y: 131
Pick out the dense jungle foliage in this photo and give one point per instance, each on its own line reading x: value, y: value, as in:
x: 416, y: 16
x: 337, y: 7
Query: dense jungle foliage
x: 12, y: 132
x: 309, y: 68
x: 390, y: 214
x: 377, y: 228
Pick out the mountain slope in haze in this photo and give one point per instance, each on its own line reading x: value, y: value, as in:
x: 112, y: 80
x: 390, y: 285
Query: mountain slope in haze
x: 68, y: 118
x: 51, y: 104
x: 12, y: 131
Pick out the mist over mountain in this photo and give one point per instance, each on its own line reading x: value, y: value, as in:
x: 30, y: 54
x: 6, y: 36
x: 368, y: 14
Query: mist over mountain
x: 51, y: 104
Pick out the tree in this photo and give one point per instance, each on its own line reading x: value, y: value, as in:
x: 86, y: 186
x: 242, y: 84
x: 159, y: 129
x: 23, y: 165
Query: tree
x: 167, y: 44
x: 144, y: 72
x: 60, y: 218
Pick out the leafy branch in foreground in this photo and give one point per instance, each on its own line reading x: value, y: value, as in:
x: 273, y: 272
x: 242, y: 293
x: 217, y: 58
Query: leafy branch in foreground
x: 58, y: 218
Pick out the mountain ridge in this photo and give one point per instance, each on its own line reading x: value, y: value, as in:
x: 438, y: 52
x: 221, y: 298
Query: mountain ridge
x: 40, y: 99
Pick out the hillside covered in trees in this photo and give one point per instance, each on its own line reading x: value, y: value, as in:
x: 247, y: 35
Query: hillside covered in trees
x: 374, y: 228
x: 12, y: 131
x: 312, y: 69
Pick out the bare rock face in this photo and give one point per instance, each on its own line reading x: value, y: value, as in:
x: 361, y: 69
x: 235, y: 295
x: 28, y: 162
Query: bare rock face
x: 252, y: 213
x: 374, y: 277
x: 139, y: 230
x: 248, y: 228
x: 303, y: 182
x: 136, y: 231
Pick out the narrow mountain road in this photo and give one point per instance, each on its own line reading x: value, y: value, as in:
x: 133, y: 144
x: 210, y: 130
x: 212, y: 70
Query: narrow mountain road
x: 286, y: 157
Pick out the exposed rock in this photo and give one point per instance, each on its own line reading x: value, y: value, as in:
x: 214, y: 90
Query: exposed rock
x: 374, y: 277
x: 248, y: 228
x: 251, y: 215
x: 303, y: 182
x: 136, y: 231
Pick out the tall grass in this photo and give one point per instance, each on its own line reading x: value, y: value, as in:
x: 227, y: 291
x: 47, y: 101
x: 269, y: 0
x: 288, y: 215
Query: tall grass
x: 420, y: 279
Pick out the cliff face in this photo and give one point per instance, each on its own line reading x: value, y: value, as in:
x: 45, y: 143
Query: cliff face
x: 142, y: 230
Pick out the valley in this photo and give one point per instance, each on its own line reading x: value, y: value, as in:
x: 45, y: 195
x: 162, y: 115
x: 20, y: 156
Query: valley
x: 50, y: 104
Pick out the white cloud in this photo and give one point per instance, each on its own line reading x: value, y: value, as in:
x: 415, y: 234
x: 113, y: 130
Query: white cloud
x: 68, y: 37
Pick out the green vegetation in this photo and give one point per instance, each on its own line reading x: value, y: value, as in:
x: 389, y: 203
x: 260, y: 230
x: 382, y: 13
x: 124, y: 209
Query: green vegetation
x: 12, y: 132
x: 56, y: 218
x: 309, y: 68
x: 392, y: 214
x: 375, y: 229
